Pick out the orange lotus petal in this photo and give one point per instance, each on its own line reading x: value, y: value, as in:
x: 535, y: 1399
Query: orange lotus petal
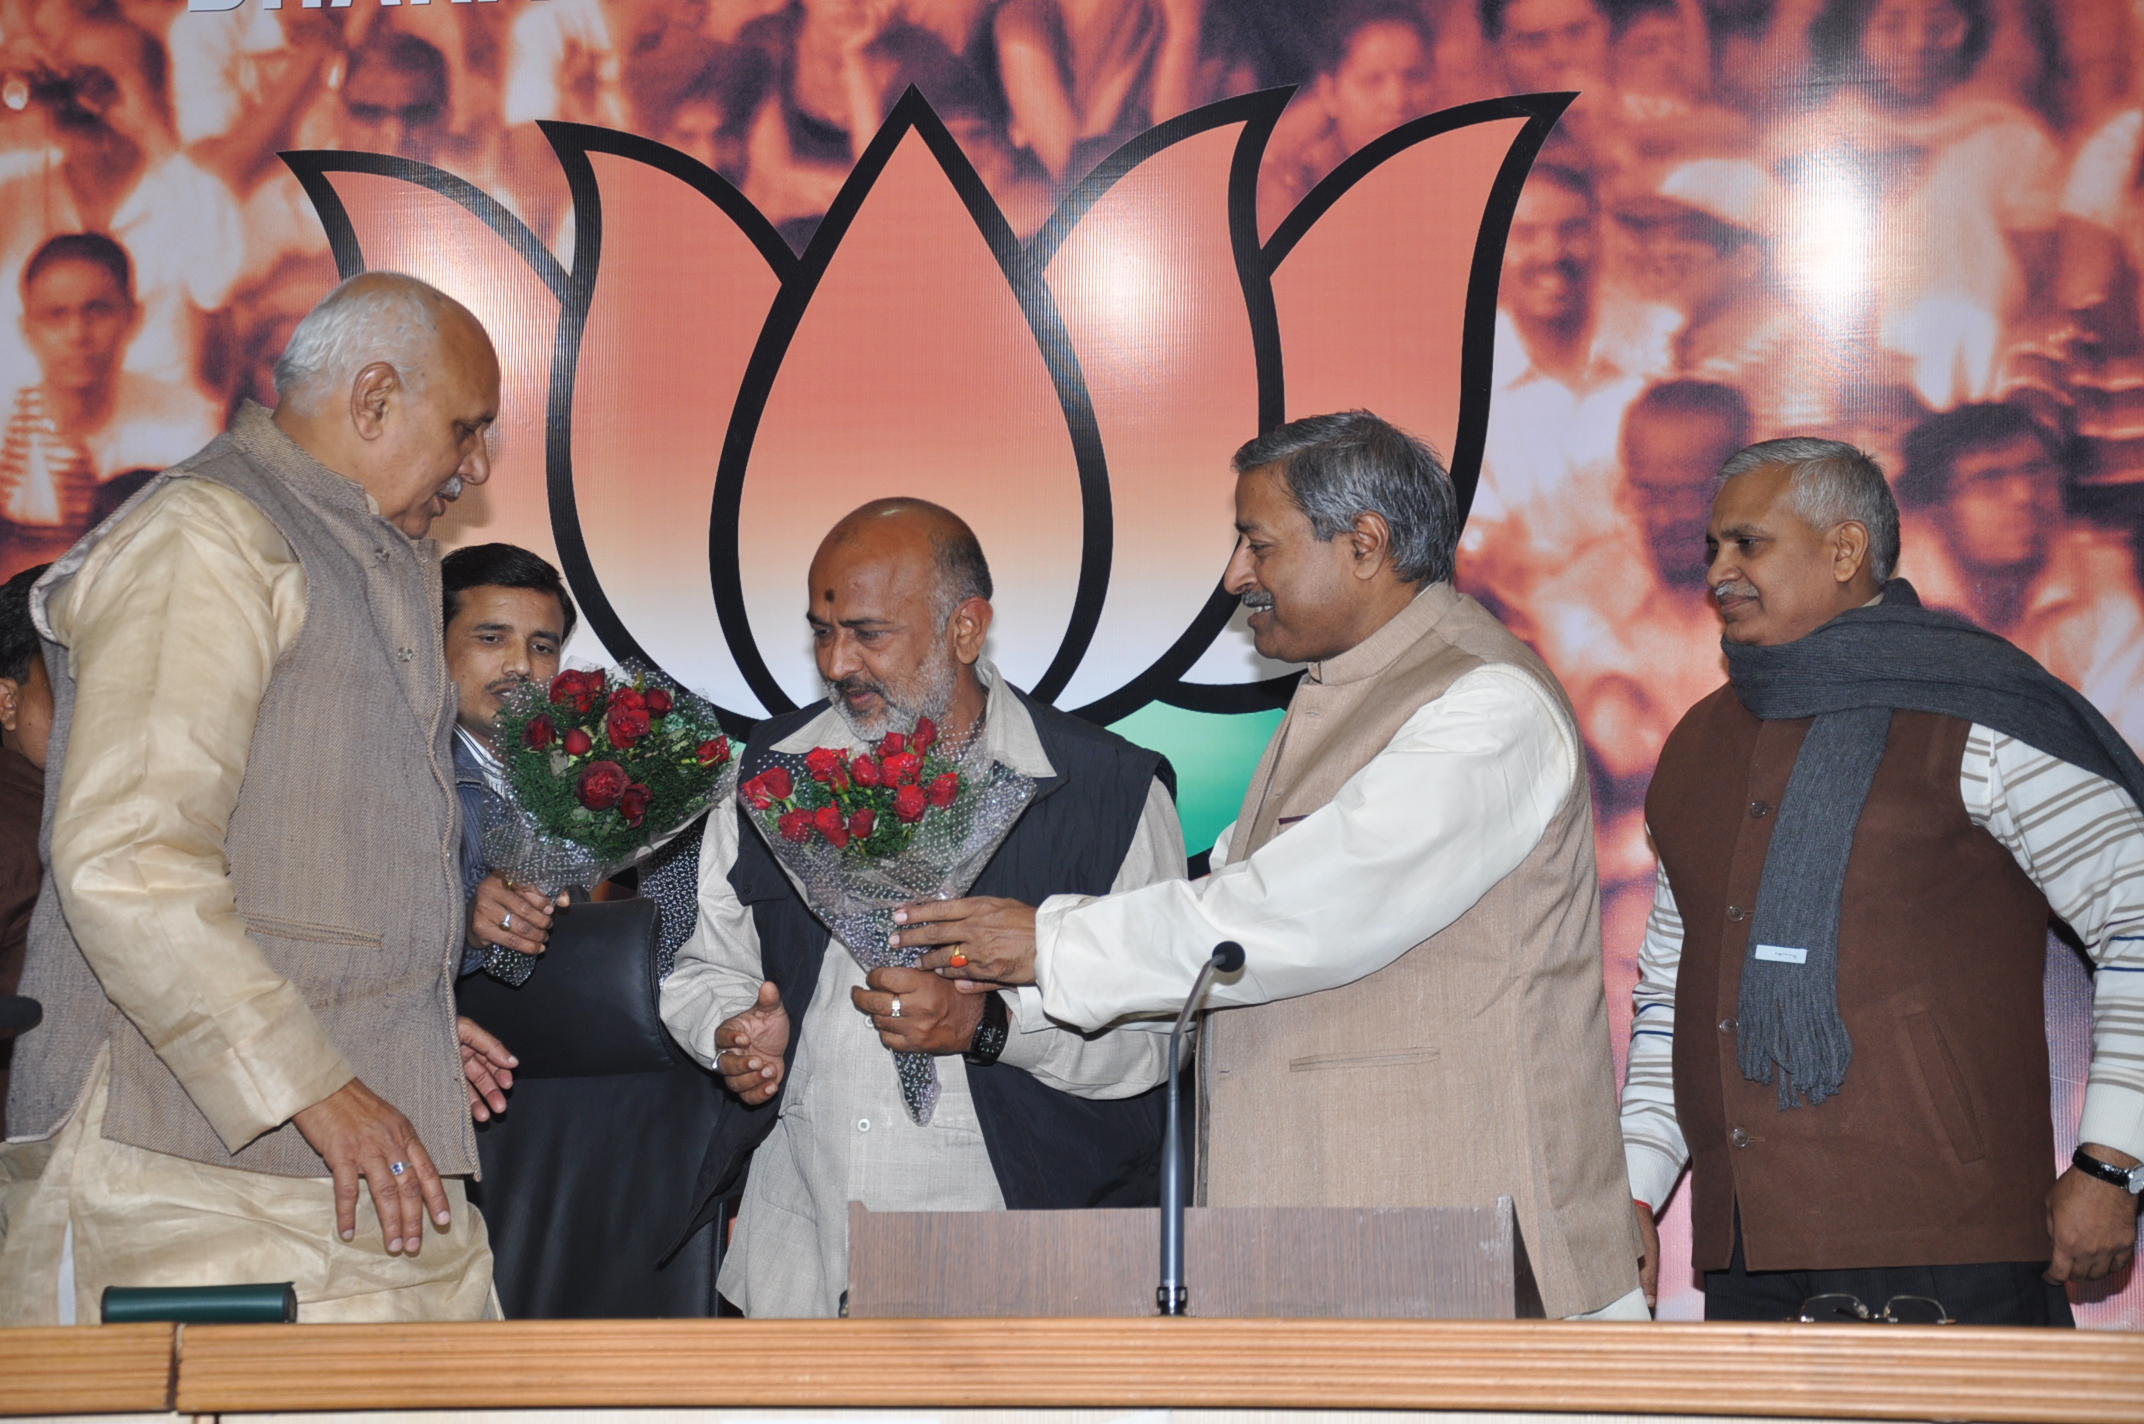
x: 681, y: 293
x: 912, y: 371
x: 1151, y: 297
x: 1372, y: 300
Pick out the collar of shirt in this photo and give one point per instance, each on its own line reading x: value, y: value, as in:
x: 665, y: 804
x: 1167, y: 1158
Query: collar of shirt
x: 473, y: 756
x: 1008, y: 731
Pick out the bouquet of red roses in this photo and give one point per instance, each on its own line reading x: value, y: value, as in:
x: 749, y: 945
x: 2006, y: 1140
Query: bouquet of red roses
x: 864, y: 833
x: 600, y: 768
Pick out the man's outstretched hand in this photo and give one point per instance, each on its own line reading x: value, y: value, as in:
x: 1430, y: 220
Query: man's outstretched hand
x: 488, y: 1068
x: 2092, y: 1223
x: 749, y: 1048
x: 360, y: 1134
x: 985, y: 939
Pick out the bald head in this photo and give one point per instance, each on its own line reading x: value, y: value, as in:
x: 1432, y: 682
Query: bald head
x: 392, y: 383
x: 899, y: 607
x: 903, y: 528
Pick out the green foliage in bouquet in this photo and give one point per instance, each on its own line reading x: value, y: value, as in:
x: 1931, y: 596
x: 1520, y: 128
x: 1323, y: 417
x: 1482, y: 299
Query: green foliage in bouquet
x: 868, y: 806
x: 605, y: 760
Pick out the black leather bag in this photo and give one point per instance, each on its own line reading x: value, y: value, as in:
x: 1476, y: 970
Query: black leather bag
x: 590, y: 1009
x: 591, y: 1167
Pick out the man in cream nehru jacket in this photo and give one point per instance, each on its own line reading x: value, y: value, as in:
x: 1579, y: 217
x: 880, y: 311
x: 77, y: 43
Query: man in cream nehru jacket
x: 252, y: 908
x: 1421, y: 1020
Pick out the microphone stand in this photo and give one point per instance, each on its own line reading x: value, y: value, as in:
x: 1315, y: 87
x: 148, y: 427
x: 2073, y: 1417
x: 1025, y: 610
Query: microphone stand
x: 1171, y: 1296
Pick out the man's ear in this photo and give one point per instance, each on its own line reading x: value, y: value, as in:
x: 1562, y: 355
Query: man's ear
x: 1370, y: 544
x: 970, y: 625
x: 376, y: 388
x: 1849, y: 550
x: 10, y: 704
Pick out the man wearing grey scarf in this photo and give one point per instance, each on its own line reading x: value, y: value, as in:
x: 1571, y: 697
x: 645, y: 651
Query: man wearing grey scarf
x: 1863, y: 839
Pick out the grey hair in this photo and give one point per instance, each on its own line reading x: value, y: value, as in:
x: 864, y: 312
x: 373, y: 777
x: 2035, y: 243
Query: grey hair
x: 1832, y: 482
x: 963, y: 572
x: 1337, y: 467
x: 365, y: 319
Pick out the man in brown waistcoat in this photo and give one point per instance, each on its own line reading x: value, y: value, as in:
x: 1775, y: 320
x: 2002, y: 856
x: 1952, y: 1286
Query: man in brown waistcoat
x: 252, y: 911
x: 1862, y: 838
x: 1421, y: 1020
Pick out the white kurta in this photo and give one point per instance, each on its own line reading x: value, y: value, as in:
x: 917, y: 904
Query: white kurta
x: 843, y: 1134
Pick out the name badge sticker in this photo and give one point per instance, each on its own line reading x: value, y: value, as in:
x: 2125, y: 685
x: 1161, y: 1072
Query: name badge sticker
x: 1782, y: 954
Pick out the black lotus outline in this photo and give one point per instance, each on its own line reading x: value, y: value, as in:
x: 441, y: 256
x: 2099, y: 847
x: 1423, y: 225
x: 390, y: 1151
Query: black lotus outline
x: 1022, y: 264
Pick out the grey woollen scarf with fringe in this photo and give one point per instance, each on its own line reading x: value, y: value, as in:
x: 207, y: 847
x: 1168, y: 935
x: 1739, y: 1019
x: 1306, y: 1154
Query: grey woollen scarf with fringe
x: 1849, y: 676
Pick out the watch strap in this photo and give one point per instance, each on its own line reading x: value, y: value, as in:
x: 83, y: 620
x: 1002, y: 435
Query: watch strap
x: 2130, y: 1180
x: 991, y: 1033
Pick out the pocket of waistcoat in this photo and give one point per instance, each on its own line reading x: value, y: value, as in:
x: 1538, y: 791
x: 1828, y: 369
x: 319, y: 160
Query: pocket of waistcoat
x: 1946, y: 1086
x: 1388, y: 1058
x: 309, y: 933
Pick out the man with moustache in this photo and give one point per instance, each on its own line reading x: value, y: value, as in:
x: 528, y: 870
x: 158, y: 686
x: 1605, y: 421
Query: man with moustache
x: 1420, y: 1021
x: 246, y: 941
x: 1862, y: 838
x: 1031, y: 1114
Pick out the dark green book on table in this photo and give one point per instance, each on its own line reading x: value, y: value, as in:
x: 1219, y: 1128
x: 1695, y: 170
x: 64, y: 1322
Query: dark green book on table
x: 272, y: 1304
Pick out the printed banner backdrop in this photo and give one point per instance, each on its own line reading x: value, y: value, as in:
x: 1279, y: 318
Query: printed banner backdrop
x: 749, y: 264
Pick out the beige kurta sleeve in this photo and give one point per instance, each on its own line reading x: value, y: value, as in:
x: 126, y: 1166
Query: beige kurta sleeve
x: 1130, y: 1057
x: 173, y: 627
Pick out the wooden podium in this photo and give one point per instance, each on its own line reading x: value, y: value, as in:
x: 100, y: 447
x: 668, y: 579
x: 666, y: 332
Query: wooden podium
x: 1406, y: 1263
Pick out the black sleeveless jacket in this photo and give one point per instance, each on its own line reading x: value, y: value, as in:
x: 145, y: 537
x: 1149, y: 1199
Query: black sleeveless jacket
x: 1048, y: 1148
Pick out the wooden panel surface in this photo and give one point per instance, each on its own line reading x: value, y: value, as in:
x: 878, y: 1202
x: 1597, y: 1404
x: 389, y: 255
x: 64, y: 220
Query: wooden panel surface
x: 1874, y: 1372
x: 1399, y: 1263
x: 108, y: 1369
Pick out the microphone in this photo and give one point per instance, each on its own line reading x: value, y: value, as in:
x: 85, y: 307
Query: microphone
x: 1171, y: 1295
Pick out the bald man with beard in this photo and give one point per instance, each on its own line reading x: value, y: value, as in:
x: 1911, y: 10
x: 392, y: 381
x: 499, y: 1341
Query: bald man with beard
x: 1030, y: 1114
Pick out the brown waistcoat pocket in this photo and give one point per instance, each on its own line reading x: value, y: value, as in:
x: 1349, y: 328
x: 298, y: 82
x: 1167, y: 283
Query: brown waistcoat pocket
x: 1946, y: 1086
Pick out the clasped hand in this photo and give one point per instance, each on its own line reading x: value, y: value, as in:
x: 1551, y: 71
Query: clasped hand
x: 935, y: 1017
x: 517, y: 917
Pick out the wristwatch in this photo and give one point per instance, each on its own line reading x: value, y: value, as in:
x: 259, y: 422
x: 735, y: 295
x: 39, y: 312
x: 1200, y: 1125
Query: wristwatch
x: 990, y: 1034
x: 2129, y: 1179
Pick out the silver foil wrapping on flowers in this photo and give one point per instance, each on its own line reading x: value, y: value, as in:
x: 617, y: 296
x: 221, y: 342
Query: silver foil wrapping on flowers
x: 516, y: 846
x: 856, y: 897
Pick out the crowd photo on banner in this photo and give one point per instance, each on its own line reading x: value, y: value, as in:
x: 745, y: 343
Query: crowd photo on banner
x: 1912, y: 226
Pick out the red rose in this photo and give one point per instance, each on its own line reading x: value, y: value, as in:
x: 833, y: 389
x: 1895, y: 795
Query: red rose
x: 659, y: 703
x: 828, y: 822
x: 894, y: 745
x: 716, y: 752
x: 626, y: 723
x: 577, y: 742
x: 578, y: 690
x: 865, y: 771
x: 840, y: 779
x: 822, y: 763
x: 540, y: 732
x: 908, y: 804
x: 796, y: 826
x: 861, y: 823
x: 902, y: 767
x: 633, y: 805
x: 923, y: 737
x: 768, y: 787
x: 945, y: 788
x: 602, y: 785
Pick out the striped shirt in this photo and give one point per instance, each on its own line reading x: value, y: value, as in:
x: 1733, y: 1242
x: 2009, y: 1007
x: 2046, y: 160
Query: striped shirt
x: 2078, y: 837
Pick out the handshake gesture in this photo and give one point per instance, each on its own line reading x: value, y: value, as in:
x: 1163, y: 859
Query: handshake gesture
x: 914, y: 1011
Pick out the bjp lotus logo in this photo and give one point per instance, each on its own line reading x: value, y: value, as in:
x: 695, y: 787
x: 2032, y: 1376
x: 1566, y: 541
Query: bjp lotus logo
x: 689, y: 403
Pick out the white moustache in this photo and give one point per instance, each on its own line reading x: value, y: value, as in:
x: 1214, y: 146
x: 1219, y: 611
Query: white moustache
x: 1734, y: 590
x: 452, y: 489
